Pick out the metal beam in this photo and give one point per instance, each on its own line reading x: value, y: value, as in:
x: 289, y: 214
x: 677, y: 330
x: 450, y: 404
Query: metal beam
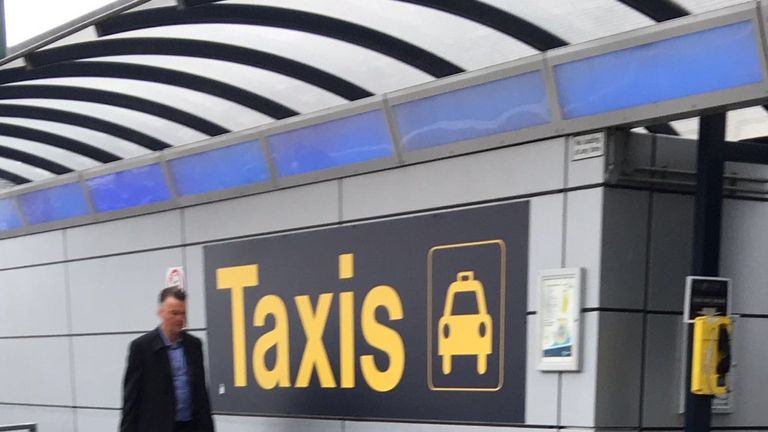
x: 662, y: 128
x: 748, y: 152
x: 473, y: 10
x: 13, y: 178
x: 33, y: 160
x: 122, y: 100
x: 657, y: 10
x: 3, y: 39
x: 497, y: 19
x: 31, y: 427
x: 283, y: 18
x: 83, y: 121
x: 151, y: 74
x: 58, y: 141
x: 200, y: 49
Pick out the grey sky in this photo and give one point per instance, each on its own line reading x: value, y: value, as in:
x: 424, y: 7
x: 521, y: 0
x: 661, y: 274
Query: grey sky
x: 25, y: 19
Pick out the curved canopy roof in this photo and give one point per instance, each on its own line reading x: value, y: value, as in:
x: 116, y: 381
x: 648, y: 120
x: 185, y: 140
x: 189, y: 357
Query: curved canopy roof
x: 140, y: 76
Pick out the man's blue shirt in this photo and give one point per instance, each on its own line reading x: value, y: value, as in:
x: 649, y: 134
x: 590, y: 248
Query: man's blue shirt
x: 180, y: 374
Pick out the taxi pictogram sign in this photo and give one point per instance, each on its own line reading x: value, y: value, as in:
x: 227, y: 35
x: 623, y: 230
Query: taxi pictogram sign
x: 466, y: 316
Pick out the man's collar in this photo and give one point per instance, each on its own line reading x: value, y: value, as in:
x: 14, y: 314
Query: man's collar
x: 166, y: 341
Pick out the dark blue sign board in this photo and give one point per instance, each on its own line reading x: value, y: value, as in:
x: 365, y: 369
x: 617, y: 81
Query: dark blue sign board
x: 419, y: 318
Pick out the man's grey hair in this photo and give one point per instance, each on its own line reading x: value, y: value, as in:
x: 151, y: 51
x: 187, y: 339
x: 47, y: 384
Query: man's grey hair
x: 175, y: 292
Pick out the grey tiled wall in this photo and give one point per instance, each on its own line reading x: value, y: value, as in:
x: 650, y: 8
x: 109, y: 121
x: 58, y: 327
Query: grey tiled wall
x: 71, y: 300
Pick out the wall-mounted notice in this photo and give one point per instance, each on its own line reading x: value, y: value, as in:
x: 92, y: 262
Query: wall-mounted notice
x: 559, y: 328
x: 706, y: 296
x: 587, y: 146
x: 174, y: 277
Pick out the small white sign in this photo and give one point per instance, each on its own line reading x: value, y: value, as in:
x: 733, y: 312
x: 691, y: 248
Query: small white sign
x: 706, y: 296
x: 587, y: 146
x: 174, y: 277
x: 722, y: 404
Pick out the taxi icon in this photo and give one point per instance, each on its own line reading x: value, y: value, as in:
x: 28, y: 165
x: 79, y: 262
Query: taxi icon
x: 465, y: 334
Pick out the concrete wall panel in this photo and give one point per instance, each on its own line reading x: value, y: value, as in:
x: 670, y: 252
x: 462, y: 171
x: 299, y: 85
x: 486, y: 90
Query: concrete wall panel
x: 290, y: 208
x: 32, y: 249
x: 625, y: 227
x: 266, y: 424
x: 119, y: 293
x: 194, y: 272
x: 47, y: 418
x: 93, y: 420
x: 662, y: 381
x: 545, y: 241
x: 744, y: 254
x: 33, y: 301
x: 124, y: 235
x: 619, y: 369
x: 583, y: 240
x: 578, y: 396
x: 36, y: 371
x: 541, y: 388
x: 410, y: 427
x: 99, y: 367
x: 670, y: 249
x: 506, y: 172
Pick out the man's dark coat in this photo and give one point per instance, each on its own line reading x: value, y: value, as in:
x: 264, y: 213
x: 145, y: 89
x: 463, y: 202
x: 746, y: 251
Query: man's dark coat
x: 149, y: 398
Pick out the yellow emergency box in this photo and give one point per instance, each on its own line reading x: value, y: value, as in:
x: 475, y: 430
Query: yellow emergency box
x: 711, y: 355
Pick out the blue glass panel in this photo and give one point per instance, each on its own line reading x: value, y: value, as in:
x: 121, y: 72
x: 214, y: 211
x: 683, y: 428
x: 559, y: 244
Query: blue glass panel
x: 223, y: 168
x: 9, y: 215
x: 359, y: 138
x: 129, y: 188
x: 696, y: 63
x: 486, y: 109
x: 52, y: 204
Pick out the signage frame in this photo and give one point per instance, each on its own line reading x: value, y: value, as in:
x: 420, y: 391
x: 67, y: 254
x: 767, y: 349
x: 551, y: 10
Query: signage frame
x: 347, y: 272
x: 572, y: 278
x: 689, y: 281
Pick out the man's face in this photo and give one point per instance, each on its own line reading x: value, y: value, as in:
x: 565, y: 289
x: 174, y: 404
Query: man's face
x: 173, y: 315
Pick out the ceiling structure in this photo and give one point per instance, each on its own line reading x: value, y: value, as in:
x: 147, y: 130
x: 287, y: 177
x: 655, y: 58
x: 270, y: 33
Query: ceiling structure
x: 140, y: 76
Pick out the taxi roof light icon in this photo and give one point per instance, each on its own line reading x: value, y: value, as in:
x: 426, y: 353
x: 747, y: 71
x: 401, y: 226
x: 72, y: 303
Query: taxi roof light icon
x: 465, y: 334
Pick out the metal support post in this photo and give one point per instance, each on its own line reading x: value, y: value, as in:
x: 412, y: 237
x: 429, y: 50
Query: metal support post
x: 3, y: 40
x: 706, y: 242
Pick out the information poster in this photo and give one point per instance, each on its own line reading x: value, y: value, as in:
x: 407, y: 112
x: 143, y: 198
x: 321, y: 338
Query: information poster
x: 558, y: 317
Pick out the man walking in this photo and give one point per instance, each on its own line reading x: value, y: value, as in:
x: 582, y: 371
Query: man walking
x: 164, y: 387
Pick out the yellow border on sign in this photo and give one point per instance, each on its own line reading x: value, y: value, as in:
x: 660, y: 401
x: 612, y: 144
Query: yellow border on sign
x: 502, y: 290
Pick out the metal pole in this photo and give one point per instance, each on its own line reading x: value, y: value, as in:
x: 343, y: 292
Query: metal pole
x: 706, y: 242
x: 3, y: 41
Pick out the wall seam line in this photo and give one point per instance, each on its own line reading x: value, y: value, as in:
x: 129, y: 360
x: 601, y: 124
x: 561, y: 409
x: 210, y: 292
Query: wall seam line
x: 564, y: 244
x: 447, y: 207
x: 646, y: 293
x: 70, y: 328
